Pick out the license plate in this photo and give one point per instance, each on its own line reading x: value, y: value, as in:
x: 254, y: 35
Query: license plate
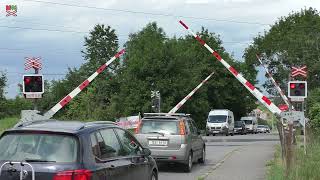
x: 158, y: 143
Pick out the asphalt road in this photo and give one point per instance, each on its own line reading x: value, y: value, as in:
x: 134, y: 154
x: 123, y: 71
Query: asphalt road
x: 234, y: 157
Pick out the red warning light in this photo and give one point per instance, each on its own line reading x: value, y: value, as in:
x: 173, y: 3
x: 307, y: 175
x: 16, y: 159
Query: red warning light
x: 27, y: 80
x: 292, y: 86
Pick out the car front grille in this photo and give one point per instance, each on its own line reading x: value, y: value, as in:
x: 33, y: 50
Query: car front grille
x: 213, y: 128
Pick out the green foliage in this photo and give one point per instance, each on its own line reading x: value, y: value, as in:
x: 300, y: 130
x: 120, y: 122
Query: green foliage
x: 175, y: 67
x: 3, y: 81
x: 305, y: 166
x: 275, y: 166
x: 292, y: 41
x: 152, y: 61
x: 7, y: 123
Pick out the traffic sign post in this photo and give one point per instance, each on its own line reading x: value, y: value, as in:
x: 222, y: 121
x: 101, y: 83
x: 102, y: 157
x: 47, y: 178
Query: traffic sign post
x: 156, y: 101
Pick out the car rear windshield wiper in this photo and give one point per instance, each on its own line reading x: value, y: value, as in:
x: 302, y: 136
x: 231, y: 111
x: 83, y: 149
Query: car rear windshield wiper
x: 157, y: 132
x: 38, y: 160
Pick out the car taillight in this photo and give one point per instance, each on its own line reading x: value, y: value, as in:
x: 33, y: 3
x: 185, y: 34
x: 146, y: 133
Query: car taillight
x: 138, y: 127
x: 182, y: 128
x: 80, y: 174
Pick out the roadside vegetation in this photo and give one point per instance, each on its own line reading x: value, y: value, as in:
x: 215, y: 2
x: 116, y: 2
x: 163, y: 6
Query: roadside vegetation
x: 305, y: 167
x: 7, y: 123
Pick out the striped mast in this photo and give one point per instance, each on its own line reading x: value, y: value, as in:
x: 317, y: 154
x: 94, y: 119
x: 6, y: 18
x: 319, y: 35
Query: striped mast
x: 283, y: 96
x: 253, y: 90
x: 184, y: 100
x: 82, y: 86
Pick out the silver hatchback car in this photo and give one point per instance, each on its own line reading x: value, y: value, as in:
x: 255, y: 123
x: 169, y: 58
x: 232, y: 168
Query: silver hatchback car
x: 172, y: 138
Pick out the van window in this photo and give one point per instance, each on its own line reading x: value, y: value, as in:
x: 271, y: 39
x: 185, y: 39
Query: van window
x: 217, y: 119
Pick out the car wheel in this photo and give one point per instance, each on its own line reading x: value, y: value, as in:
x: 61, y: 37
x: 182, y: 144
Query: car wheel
x: 188, y: 164
x: 207, y: 134
x: 203, y: 157
x: 154, y: 176
x: 232, y: 133
x: 213, y: 134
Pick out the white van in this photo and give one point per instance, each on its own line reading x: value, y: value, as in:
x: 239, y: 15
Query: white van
x: 251, y: 124
x: 220, y: 121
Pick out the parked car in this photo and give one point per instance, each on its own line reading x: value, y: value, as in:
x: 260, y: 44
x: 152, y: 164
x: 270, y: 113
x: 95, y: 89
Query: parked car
x: 220, y: 121
x: 240, y: 127
x: 172, y: 138
x: 59, y: 150
x: 261, y: 129
x: 251, y: 124
x: 267, y: 128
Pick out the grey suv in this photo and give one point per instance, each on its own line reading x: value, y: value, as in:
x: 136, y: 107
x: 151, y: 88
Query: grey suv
x: 172, y: 138
x: 61, y: 150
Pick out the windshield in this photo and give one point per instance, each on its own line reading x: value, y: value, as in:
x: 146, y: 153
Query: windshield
x: 217, y: 119
x: 238, y: 123
x: 248, y: 121
x: 38, y: 147
x: 159, y: 126
x: 261, y: 126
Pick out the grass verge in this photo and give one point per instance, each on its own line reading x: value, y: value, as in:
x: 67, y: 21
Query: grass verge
x: 7, y: 123
x: 305, y: 167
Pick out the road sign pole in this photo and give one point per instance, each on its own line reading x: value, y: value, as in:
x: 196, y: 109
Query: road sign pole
x: 304, y: 131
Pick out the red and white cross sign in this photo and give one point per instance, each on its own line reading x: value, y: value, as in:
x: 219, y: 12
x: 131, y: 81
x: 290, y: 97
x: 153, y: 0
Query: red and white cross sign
x: 33, y: 62
x: 296, y: 71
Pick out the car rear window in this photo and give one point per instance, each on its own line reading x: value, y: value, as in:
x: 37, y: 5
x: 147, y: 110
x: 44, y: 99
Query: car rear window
x: 38, y: 148
x: 248, y: 121
x: 169, y: 127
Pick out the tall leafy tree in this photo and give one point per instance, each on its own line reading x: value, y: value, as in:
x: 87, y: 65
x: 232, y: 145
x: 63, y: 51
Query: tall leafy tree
x: 174, y: 67
x: 100, y: 46
x: 292, y: 41
x: 3, y: 81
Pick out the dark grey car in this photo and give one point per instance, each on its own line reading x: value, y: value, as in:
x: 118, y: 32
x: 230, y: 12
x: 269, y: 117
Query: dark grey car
x: 172, y: 138
x: 60, y: 150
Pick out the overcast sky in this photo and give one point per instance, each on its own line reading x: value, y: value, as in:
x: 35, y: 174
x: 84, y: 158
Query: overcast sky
x: 55, y: 31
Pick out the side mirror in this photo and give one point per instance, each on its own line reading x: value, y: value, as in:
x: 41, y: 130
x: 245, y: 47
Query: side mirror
x: 146, y: 152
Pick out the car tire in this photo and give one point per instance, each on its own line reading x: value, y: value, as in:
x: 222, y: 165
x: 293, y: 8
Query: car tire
x: 232, y: 133
x: 189, y: 163
x: 202, y: 160
x: 154, y: 176
x: 213, y: 134
x: 207, y: 134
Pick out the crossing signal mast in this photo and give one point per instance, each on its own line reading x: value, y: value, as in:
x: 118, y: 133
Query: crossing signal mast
x: 33, y: 83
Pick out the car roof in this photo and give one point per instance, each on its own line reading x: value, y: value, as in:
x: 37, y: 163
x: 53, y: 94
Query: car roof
x: 73, y: 127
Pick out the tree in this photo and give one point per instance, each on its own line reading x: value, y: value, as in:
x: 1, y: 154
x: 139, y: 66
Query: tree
x: 3, y: 81
x: 174, y: 67
x: 100, y: 46
x: 291, y: 41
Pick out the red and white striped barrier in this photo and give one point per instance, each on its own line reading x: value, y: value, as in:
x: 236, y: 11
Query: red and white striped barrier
x: 254, y: 91
x: 283, y: 96
x: 83, y: 85
x: 184, y: 100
